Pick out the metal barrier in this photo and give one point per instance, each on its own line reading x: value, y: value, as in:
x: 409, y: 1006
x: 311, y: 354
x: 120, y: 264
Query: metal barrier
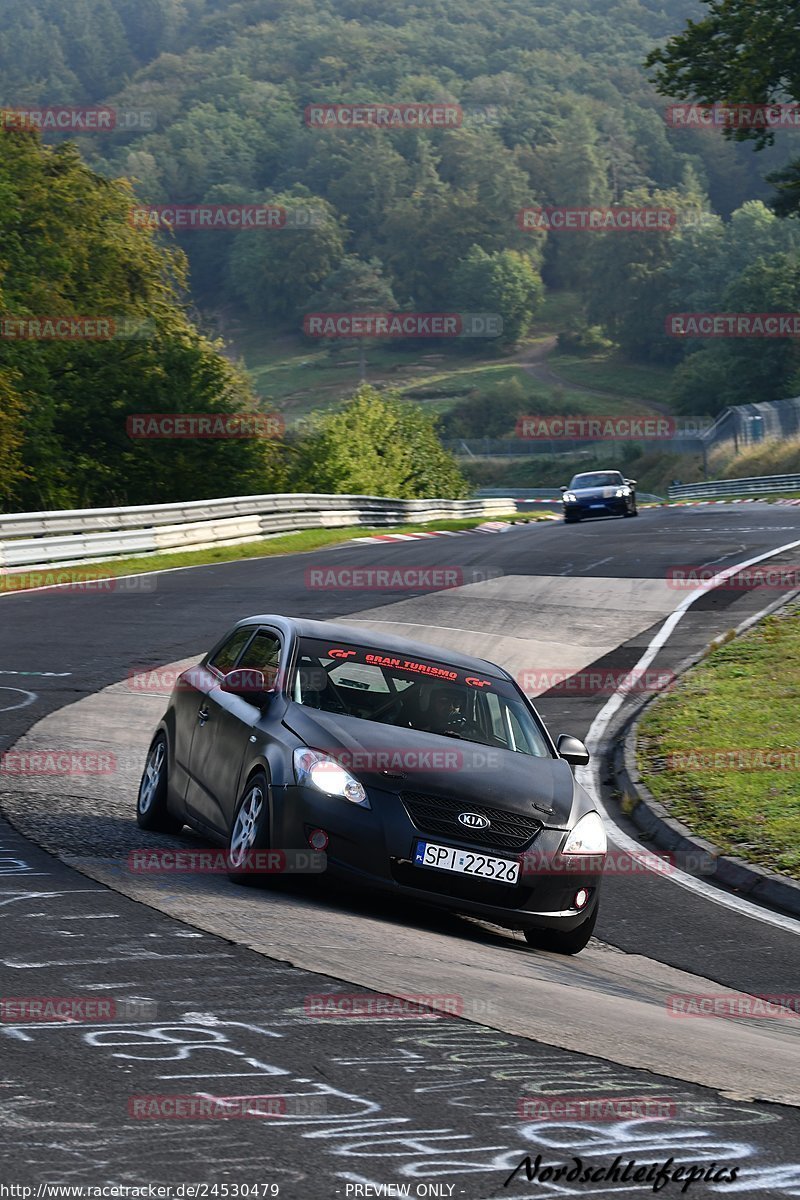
x: 759, y: 485
x: 550, y: 495
x: 513, y: 447
x: 84, y: 535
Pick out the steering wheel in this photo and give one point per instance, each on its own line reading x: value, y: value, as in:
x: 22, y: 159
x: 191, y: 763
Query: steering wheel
x: 461, y: 726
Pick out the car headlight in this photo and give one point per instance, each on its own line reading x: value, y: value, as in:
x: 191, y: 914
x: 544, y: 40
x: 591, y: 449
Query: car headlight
x: 328, y: 776
x: 588, y: 836
x: 570, y: 498
x: 623, y: 491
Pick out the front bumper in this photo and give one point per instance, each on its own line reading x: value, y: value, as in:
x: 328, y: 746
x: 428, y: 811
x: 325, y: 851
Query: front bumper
x: 375, y: 848
x: 615, y: 506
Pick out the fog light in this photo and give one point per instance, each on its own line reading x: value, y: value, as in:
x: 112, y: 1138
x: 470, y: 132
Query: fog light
x: 581, y: 898
x: 318, y: 839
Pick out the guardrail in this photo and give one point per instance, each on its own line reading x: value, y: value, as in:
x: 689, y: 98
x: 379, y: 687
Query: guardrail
x: 85, y: 535
x: 549, y: 495
x: 758, y: 485
x: 552, y: 493
x: 567, y: 448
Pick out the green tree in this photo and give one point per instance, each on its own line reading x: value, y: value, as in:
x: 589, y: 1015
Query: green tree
x: 354, y: 287
x: 69, y: 250
x: 742, y: 370
x: 504, y: 282
x: 493, y: 413
x: 12, y: 468
x: 377, y: 445
x: 274, y: 273
x: 571, y: 171
x: 628, y: 288
x: 741, y: 53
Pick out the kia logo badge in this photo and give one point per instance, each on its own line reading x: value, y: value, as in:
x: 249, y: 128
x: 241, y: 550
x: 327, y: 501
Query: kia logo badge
x: 474, y: 820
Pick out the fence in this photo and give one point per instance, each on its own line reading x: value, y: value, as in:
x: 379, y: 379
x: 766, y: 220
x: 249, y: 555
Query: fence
x: 689, y: 443
x: 759, y: 485
x: 83, y: 535
x: 748, y: 424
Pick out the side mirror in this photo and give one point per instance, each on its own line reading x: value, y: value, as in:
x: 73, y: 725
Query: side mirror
x: 250, y: 685
x: 572, y: 750
x: 563, y: 489
x: 631, y: 482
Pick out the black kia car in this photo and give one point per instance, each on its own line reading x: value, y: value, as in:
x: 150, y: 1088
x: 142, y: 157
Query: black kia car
x: 423, y: 774
x: 599, y: 494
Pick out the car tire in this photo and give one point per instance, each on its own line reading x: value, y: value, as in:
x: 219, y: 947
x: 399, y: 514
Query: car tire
x: 250, y: 829
x: 151, y: 802
x: 572, y: 520
x: 558, y: 941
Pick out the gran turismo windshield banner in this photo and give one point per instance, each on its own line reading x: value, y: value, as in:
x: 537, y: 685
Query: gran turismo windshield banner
x: 393, y: 663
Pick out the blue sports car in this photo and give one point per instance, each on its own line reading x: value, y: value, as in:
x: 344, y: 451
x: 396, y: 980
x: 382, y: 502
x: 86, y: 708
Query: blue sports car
x: 599, y: 494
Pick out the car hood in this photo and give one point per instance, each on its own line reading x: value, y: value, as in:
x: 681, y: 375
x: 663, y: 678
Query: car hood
x: 596, y: 493
x: 396, y: 759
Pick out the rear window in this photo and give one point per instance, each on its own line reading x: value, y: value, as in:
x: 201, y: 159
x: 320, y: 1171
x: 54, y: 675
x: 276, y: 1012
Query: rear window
x: 372, y: 684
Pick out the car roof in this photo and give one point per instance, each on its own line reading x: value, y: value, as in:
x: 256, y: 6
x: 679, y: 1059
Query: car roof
x: 331, y: 630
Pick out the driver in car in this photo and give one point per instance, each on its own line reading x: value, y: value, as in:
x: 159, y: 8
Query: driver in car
x: 444, y: 707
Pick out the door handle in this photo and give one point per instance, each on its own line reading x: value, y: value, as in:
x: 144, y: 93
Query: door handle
x: 203, y: 715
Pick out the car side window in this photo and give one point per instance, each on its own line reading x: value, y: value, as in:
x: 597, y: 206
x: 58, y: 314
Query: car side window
x: 263, y: 654
x: 225, y: 658
x: 496, y: 716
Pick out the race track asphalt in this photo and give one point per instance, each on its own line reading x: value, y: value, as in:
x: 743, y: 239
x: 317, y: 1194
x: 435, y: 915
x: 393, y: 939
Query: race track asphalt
x: 537, y: 597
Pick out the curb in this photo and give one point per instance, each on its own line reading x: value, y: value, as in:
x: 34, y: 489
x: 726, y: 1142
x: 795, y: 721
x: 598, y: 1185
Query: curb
x: 654, y: 820
x: 750, y: 500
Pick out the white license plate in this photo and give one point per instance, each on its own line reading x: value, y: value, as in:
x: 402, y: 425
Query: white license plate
x: 465, y: 862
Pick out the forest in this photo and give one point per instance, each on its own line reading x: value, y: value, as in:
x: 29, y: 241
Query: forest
x: 556, y: 106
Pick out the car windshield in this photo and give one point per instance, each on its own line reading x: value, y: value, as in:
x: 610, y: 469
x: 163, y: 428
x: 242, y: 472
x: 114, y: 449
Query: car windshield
x: 413, y: 693
x: 597, y: 479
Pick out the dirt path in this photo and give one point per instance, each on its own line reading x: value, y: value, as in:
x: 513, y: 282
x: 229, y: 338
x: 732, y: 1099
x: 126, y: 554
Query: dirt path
x: 534, y: 361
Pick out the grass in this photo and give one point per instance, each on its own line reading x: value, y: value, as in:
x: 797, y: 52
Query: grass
x: 652, y: 471
x: 298, y: 377
x: 608, y: 373
x: 285, y: 543
x: 777, y: 456
x: 744, y: 696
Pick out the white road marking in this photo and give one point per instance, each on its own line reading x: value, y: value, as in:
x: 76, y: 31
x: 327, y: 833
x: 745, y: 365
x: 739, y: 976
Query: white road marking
x: 31, y: 696
x: 712, y: 562
x: 589, y: 776
x: 87, y: 916
x: 600, y: 562
x: 740, y: 529
x: 40, y: 674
